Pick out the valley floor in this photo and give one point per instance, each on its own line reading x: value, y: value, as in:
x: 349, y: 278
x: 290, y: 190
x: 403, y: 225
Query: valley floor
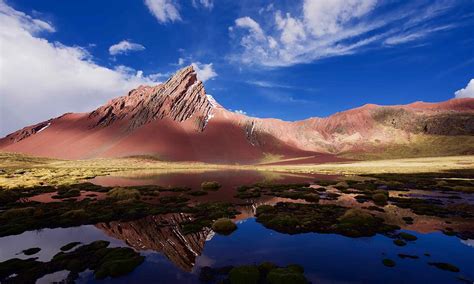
x: 411, y: 165
x: 22, y: 171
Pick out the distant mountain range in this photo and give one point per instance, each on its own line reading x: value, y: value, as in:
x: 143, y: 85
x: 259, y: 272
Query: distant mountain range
x: 177, y: 121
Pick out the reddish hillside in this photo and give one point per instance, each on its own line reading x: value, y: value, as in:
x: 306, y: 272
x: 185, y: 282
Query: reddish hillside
x: 177, y: 121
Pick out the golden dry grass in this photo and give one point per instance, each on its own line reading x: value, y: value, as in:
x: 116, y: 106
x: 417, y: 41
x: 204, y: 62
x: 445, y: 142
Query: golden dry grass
x: 409, y: 165
x: 25, y: 171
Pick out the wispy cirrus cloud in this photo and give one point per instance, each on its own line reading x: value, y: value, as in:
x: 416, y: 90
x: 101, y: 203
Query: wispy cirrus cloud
x: 415, y: 35
x: 164, y: 10
x: 273, y: 85
x: 284, y: 98
x: 327, y: 28
x: 208, y: 4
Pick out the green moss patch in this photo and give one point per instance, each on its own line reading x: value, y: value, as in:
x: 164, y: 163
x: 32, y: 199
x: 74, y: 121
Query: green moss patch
x: 67, y: 193
x: 246, y: 274
x: 197, y: 193
x: 388, y: 262
x: 408, y: 220
x: 293, y: 218
x: 285, y: 275
x: 380, y: 198
x: 224, y: 226
x: 96, y: 256
x: 247, y: 193
x: 31, y: 251
x: 420, y: 206
x: 20, y: 217
x: 444, y: 266
x: 407, y: 236
x: 399, y: 242
x: 121, y: 193
x: 69, y: 246
x: 292, y: 191
x: 210, y: 185
x: 173, y: 199
x: 403, y: 256
x: 205, y: 214
x: 265, y: 272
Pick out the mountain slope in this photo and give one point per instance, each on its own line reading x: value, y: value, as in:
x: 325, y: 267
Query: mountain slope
x: 177, y: 121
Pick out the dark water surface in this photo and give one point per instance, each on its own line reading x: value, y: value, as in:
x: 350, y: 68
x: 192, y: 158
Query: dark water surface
x: 327, y: 258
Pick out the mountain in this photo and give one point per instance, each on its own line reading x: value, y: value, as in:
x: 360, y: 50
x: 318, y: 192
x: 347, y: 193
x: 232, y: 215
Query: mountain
x: 178, y: 121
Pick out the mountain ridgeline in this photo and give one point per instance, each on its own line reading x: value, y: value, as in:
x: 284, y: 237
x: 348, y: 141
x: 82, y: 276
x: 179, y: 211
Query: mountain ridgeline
x: 178, y: 121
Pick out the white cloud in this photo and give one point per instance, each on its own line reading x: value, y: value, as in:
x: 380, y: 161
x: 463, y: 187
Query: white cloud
x: 239, y: 111
x: 326, y: 28
x: 249, y: 23
x: 164, y: 10
x: 158, y: 77
x: 467, y: 92
x: 125, y: 47
x: 269, y: 7
x: 208, y: 4
x: 180, y: 61
x: 257, y: 46
x: 330, y: 16
x: 204, y: 71
x: 41, y: 79
x: 291, y: 29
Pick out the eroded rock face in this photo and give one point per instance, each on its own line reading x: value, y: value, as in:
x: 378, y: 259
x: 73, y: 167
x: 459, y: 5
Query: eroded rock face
x: 362, y: 129
x: 161, y: 233
x: 438, y: 123
x: 27, y: 131
x: 180, y: 98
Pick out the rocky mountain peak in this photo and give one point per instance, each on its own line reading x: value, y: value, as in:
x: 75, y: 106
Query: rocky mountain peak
x: 180, y: 98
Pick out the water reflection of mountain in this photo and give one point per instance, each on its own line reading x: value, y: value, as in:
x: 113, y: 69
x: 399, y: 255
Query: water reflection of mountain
x: 162, y: 234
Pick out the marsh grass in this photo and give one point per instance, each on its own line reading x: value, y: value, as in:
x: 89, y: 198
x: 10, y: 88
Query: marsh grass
x: 294, y: 218
x: 224, y: 226
x: 445, y: 266
x: 96, y: 256
x: 266, y: 272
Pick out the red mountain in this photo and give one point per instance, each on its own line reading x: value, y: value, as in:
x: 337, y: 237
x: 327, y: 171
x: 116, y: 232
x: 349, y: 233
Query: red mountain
x: 177, y: 121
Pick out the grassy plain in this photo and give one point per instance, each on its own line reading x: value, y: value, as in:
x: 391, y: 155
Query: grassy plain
x: 18, y: 170
x: 398, y: 166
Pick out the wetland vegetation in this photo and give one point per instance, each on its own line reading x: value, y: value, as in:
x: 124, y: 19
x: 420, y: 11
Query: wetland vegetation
x: 38, y: 194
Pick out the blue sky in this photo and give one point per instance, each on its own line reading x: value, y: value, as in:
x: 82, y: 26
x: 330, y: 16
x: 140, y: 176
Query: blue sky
x: 286, y: 59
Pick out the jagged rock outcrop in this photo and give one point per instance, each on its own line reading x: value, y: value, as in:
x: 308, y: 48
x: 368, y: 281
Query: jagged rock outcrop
x: 178, y: 121
x: 161, y: 233
x: 180, y: 98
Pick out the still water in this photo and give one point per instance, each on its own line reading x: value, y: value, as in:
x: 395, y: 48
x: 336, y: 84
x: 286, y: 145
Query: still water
x: 327, y: 258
